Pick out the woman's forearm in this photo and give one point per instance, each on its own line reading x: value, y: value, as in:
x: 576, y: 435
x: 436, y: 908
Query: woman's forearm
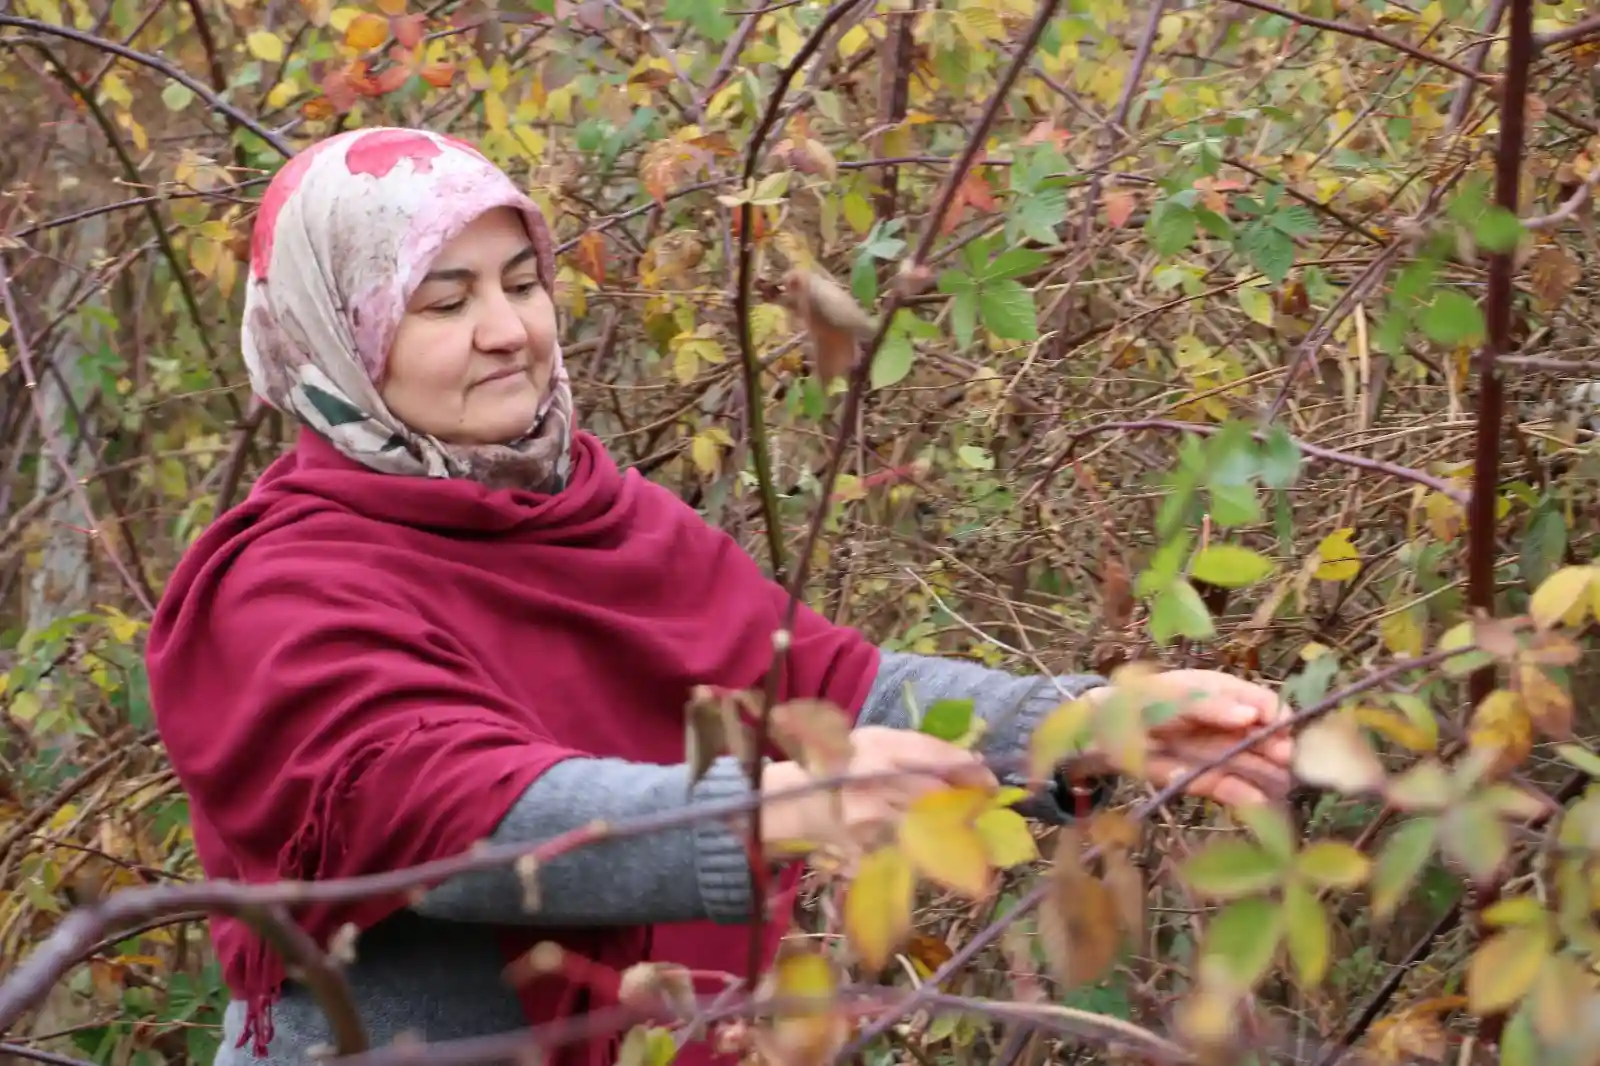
x: 692, y: 873
x: 1010, y: 705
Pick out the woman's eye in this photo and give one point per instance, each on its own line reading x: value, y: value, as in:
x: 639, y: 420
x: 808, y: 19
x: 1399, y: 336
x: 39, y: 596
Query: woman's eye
x: 525, y: 288
x: 448, y: 308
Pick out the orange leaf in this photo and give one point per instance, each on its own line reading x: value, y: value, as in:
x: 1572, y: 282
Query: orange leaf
x: 658, y: 170
x: 1119, y: 208
x: 392, y: 7
x: 318, y: 109
x: 439, y: 75
x: 366, y: 31
x: 591, y: 255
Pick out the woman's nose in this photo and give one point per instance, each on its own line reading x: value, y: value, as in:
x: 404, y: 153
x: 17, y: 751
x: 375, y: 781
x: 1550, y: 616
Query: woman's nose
x: 500, y: 328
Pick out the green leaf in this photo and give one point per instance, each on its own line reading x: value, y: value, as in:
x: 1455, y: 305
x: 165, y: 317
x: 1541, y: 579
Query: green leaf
x: 1544, y: 544
x: 1270, y: 826
x: 1229, y: 869
x: 706, y: 16
x: 975, y: 457
x: 1497, y: 229
x: 1306, y: 931
x: 1008, y: 310
x: 1332, y: 864
x: 947, y: 719
x: 1178, y: 611
x: 1015, y: 263
x: 1170, y: 228
x: 1234, y: 505
x: 1273, y: 254
x: 1399, y: 864
x: 1038, y: 214
x: 893, y: 361
x: 1295, y: 221
x: 1240, y: 942
x: 177, y: 96
x: 1473, y: 835
x: 1453, y: 318
x: 1230, y: 565
x: 1280, y: 458
x: 963, y: 305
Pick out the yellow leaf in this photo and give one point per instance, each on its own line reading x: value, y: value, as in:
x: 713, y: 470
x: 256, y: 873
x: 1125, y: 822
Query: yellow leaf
x: 114, y: 89
x: 1395, y: 728
x: 366, y: 31
x: 685, y: 365
x: 811, y: 1032
x: 1256, y: 303
x: 265, y: 46
x: 1005, y: 834
x: 939, y: 837
x: 25, y: 706
x: 282, y: 94
x: 877, y: 906
x: 1340, y: 560
x: 1501, y: 724
x: 494, y: 111
x: 1401, y: 634
x: 705, y: 454
x: 1062, y: 734
x: 1505, y: 967
x: 1561, y: 597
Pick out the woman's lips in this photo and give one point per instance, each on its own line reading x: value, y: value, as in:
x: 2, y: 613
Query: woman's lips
x: 501, y: 375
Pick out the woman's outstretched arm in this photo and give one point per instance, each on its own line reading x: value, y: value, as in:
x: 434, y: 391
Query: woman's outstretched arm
x: 700, y: 872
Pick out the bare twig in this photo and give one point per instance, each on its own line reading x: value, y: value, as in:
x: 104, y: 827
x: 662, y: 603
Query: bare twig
x: 53, y: 446
x: 1360, y: 462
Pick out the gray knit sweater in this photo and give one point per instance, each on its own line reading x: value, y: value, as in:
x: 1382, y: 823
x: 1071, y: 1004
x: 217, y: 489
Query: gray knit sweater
x: 435, y: 970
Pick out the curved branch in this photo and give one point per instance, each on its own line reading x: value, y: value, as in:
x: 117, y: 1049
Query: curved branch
x: 200, y: 89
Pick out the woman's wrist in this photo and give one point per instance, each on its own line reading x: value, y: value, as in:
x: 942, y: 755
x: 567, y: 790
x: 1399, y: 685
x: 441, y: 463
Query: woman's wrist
x: 785, y: 818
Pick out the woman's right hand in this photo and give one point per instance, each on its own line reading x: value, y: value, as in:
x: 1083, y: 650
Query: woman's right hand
x: 895, y: 766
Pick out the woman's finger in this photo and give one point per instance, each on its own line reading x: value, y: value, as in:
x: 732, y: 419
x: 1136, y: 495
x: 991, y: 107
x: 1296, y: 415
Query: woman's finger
x: 1213, y: 784
x: 1228, y: 701
x: 1261, y: 772
x: 1277, y: 748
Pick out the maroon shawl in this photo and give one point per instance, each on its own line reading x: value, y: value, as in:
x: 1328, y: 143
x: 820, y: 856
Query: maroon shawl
x: 356, y: 672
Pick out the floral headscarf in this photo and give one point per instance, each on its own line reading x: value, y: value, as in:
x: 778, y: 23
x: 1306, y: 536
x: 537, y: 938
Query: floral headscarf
x: 346, y: 231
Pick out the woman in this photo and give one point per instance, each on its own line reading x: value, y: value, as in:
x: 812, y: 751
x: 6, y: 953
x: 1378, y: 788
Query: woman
x: 445, y: 616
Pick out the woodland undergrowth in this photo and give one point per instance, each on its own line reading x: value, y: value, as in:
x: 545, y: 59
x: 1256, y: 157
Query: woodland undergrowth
x: 1063, y: 335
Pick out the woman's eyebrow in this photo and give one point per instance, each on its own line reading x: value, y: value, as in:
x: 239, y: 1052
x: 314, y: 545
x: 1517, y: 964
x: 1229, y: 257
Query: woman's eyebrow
x: 468, y: 274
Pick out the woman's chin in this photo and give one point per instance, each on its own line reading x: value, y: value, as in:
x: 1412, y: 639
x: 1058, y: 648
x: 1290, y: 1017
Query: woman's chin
x: 506, y: 421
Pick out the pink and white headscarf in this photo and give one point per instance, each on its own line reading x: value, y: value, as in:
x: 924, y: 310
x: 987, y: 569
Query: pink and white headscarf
x: 346, y: 232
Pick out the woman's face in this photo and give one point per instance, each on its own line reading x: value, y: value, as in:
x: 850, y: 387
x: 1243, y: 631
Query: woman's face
x: 472, y: 357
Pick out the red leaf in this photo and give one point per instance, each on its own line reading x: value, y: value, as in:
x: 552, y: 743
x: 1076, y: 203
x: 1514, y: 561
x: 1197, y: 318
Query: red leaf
x: 408, y: 29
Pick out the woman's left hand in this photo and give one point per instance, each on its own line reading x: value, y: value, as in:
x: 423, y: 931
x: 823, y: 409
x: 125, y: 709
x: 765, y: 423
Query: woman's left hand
x: 1215, y: 712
